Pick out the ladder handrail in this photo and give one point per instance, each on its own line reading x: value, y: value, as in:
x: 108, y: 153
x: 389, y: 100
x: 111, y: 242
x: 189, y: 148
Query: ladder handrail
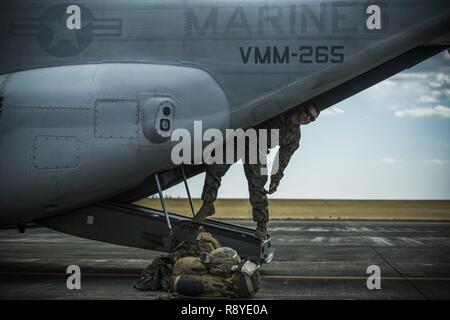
x: 187, y: 190
x: 163, y: 203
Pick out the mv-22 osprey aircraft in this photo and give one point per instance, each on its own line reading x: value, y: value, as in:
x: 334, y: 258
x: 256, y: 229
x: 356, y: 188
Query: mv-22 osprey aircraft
x: 91, y: 90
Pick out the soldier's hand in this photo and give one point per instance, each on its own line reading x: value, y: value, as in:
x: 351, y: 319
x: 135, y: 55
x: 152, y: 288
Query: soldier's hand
x: 274, y: 183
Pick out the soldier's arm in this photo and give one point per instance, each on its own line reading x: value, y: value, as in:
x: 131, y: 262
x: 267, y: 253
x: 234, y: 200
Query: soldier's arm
x: 288, y: 145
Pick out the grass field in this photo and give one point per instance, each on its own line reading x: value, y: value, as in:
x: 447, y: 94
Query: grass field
x: 420, y: 210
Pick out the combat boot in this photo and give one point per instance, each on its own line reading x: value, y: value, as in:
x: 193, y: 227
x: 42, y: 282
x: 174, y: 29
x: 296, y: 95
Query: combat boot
x: 205, y: 211
x: 261, y: 231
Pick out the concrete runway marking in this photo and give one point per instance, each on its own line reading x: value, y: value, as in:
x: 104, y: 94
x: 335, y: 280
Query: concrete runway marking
x: 349, y: 278
x: 292, y: 277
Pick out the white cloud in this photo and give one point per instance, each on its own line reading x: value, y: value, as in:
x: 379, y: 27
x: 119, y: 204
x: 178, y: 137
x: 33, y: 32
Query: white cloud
x: 383, y: 90
x: 426, y: 81
x: 443, y: 78
x: 442, y: 111
x: 446, y: 93
x: 446, y: 55
x: 437, y: 94
x: 434, y: 84
x: 438, y: 162
x: 438, y: 111
x: 427, y: 99
x: 410, y: 76
x: 414, y: 112
x: 388, y: 160
x: 332, y: 111
x: 427, y: 88
x: 385, y: 83
x: 434, y: 96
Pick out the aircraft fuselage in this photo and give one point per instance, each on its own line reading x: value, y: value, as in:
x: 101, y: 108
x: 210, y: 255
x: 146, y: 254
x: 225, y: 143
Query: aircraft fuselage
x: 81, y: 84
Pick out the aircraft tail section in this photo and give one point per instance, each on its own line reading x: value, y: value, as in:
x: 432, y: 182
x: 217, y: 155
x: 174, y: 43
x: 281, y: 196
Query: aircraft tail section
x: 305, y: 90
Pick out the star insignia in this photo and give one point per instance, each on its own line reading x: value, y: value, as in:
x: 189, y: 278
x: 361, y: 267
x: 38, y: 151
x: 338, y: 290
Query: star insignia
x: 62, y: 33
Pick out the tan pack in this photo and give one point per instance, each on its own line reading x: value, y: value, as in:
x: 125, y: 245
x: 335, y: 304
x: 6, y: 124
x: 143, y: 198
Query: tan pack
x: 191, y: 278
x: 206, y: 242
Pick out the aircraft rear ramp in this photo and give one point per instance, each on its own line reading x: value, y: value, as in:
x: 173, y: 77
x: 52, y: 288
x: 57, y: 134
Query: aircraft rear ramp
x: 140, y: 227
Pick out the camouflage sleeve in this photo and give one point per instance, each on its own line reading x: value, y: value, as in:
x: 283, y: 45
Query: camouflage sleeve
x: 288, y: 145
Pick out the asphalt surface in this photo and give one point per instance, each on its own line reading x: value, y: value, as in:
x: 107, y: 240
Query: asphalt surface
x: 313, y: 260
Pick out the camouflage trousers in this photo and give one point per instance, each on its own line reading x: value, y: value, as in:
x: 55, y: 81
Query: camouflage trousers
x: 255, y: 180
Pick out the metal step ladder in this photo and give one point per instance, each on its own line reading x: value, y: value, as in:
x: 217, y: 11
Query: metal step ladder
x: 135, y: 226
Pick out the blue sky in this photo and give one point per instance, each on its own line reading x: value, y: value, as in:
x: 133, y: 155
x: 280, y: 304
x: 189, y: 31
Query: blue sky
x: 390, y: 141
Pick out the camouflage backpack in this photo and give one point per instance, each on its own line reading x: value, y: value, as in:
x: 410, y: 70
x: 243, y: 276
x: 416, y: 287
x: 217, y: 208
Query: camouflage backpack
x: 157, y: 275
x: 219, y: 274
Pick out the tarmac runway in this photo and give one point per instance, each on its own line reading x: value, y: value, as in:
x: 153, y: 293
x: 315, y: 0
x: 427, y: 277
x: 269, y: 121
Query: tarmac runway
x: 313, y: 260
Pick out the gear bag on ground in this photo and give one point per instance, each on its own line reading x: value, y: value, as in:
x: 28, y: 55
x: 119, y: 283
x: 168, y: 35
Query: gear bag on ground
x: 202, y: 269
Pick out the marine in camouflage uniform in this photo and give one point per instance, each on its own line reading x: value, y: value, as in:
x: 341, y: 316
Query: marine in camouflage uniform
x: 289, y: 138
